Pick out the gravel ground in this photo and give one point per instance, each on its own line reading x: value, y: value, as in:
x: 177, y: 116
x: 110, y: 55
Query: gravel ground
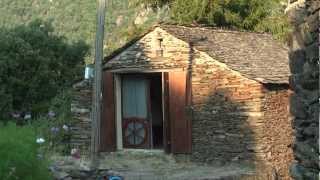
x: 145, y: 165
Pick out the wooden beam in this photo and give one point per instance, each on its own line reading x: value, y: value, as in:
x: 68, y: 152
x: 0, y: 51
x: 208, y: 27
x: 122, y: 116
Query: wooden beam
x: 118, y: 111
x: 142, y: 70
x: 96, y: 100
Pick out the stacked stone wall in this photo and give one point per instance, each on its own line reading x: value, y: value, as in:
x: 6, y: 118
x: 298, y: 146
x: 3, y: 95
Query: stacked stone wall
x: 304, y: 64
x: 81, y: 111
x: 238, y: 120
x: 144, y: 54
x: 278, y: 130
x: 227, y: 113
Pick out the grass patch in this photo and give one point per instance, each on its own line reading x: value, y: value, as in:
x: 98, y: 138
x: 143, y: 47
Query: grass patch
x: 19, y: 154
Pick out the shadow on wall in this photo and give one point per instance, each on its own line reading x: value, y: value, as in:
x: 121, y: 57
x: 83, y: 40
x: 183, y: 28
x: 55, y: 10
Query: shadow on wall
x: 220, y: 129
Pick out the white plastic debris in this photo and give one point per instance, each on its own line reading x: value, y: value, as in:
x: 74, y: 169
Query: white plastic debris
x: 65, y: 127
x: 27, y: 116
x: 40, y: 140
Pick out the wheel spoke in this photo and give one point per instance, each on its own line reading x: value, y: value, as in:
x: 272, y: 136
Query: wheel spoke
x: 135, y: 132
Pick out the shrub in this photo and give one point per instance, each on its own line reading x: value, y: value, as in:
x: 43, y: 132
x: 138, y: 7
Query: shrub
x: 19, y: 154
x: 55, y: 126
x: 254, y: 15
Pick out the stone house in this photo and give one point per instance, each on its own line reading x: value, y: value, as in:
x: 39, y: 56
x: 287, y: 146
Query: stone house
x: 219, y: 96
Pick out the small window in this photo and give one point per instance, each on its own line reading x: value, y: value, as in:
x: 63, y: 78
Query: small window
x: 159, y: 50
x: 160, y: 41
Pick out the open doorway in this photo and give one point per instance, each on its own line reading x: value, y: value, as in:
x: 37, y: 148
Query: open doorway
x: 156, y: 110
x: 142, y: 114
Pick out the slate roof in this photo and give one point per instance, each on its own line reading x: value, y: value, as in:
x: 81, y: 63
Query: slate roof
x: 255, y: 55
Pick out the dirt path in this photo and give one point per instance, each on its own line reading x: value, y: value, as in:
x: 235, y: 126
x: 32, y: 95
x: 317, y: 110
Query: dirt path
x: 151, y: 165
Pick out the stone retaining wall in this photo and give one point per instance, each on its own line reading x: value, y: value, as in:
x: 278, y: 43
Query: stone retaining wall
x: 81, y: 124
x: 304, y: 64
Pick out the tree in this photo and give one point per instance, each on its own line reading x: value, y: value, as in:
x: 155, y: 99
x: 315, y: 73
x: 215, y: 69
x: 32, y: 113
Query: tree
x: 35, y: 64
x: 254, y: 15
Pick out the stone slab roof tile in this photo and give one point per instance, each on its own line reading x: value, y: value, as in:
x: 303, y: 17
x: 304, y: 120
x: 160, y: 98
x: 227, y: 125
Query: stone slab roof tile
x: 255, y: 55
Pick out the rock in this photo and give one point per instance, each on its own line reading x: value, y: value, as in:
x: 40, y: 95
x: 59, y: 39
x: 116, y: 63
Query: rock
x: 312, y: 51
x: 60, y: 175
x: 312, y: 175
x: 76, y: 173
x: 296, y: 13
x: 297, y: 60
x: 297, y: 108
x: 81, y: 84
x: 306, y: 154
x: 142, y: 17
x: 297, y: 171
x: 119, y: 20
x: 79, y: 110
x: 305, y: 80
x: 311, y: 130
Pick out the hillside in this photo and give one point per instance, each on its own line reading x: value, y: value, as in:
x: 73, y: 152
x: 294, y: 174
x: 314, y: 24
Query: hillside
x: 124, y: 20
x: 76, y: 21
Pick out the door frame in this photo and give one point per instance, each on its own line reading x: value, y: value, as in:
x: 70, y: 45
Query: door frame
x: 165, y: 103
x: 147, y: 143
x: 118, y: 107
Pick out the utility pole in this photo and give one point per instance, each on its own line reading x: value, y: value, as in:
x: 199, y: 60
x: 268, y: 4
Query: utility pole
x: 96, y: 101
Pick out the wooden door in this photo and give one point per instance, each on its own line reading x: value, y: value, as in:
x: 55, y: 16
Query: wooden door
x: 180, y: 122
x: 108, y: 124
x: 136, y: 125
x: 165, y: 108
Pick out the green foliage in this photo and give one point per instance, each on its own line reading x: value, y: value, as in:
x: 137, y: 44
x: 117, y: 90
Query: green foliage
x: 51, y: 128
x: 35, y: 64
x: 153, y: 3
x: 254, y: 15
x: 77, y: 20
x: 18, y: 154
x: 120, y: 27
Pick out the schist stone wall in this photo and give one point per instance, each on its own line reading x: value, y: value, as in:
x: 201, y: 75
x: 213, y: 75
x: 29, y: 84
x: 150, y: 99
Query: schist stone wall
x: 304, y: 64
x: 278, y: 130
x: 81, y: 123
x: 239, y: 120
x: 235, y: 119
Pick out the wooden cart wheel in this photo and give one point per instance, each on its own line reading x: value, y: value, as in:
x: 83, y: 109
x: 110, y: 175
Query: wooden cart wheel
x: 135, y: 132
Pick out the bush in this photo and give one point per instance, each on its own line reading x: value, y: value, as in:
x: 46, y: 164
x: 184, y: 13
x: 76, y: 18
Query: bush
x: 35, y: 64
x: 254, y: 15
x: 19, y: 154
x: 55, y: 128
